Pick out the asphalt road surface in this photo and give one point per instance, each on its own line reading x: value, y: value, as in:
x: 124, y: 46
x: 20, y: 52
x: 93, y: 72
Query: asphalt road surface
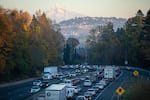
x: 21, y: 91
x: 15, y: 92
x: 109, y: 93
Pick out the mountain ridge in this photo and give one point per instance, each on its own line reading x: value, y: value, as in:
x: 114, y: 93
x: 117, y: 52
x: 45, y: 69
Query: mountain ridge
x: 79, y: 27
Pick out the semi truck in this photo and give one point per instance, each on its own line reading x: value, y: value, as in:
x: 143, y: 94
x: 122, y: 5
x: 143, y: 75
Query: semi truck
x: 109, y: 73
x: 55, y: 92
x: 50, y: 72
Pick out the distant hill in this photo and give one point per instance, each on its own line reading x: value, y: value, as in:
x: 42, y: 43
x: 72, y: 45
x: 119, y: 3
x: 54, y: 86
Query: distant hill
x: 79, y: 27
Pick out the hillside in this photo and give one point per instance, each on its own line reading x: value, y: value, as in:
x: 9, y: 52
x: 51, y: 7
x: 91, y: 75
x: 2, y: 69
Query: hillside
x: 79, y: 27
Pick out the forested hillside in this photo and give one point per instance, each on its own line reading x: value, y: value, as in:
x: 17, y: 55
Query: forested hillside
x: 27, y: 44
x: 127, y: 46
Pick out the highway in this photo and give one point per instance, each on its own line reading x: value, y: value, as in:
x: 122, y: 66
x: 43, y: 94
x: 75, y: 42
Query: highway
x: 109, y: 93
x: 19, y: 91
x: 22, y: 91
x: 15, y: 92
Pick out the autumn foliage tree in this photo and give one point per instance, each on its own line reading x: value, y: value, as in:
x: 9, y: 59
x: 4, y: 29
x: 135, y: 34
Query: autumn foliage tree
x: 27, y: 44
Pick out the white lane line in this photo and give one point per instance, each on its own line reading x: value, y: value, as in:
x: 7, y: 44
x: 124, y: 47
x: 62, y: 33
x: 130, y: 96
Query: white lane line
x: 120, y: 85
x: 109, y: 86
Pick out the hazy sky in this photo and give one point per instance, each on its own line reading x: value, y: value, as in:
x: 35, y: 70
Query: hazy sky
x: 96, y: 8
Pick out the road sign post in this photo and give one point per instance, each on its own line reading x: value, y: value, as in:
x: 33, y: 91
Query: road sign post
x: 118, y: 97
x: 135, y: 73
x: 120, y: 91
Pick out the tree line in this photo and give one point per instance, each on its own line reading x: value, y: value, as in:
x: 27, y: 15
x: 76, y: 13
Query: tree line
x: 27, y: 44
x: 30, y: 42
x: 129, y: 45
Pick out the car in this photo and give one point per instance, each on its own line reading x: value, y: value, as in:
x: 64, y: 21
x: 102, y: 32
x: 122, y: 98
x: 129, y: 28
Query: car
x: 37, y: 82
x: 87, y: 83
x: 88, y: 96
x: 80, y: 98
x: 35, y: 89
x: 45, y: 84
x: 106, y: 80
x: 103, y: 82
x: 92, y: 91
x: 101, y: 86
x: 60, y: 76
x: 82, y: 78
x: 77, y: 89
x: 72, y: 75
x: 97, y: 89
x: 41, y: 97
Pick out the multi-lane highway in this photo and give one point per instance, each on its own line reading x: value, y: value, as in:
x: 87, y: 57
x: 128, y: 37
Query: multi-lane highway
x: 22, y: 91
x: 19, y: 91
x: 109, y: 93
x: 15, y: 92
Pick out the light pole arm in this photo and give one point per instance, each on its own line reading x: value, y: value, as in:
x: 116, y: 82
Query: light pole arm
x: 134, y: 25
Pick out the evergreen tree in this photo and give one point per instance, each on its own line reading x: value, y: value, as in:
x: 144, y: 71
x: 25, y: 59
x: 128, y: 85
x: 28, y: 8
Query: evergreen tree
x: 145, y: 41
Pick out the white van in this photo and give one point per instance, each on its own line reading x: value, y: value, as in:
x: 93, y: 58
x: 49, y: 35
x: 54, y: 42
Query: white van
x: 77, y: 89
x: 87, y: 83
x: 70, y: 92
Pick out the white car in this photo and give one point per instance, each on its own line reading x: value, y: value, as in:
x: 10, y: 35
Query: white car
x: 37, y: 82
x: 87, y: 83
x: 103, y: 82
x: 92, y: 91
x: 101, y: 86
x: 97, y: 89
x: 35, y: 89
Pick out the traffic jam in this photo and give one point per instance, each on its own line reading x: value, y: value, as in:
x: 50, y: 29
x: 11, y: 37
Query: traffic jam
x: 73, y: 82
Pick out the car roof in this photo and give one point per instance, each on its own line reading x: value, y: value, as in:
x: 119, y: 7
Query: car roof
x: 80, y: 96
x: 91, y: 89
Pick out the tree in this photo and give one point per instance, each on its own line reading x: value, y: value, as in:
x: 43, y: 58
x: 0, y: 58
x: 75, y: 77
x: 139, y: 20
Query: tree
x: 27, y: 44
x: 139, y: 13
x: 66, y: 55
x: 69, y: 50
x: 133, y: 38
x: 6, y: 36
x: 103, y: 50
x: 145, y: 40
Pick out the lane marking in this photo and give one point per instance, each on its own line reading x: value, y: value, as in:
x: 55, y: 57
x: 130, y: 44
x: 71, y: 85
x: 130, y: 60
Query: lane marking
x: 109, y: 86
x: 120, y: 85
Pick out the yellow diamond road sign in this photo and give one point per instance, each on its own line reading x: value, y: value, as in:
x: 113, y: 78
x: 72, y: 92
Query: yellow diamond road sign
x: 135, y: 73
x: 120, y: 91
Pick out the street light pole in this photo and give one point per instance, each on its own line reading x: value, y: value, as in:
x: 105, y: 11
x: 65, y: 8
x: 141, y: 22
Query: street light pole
x: 126, y: 49
x: 134, y: 25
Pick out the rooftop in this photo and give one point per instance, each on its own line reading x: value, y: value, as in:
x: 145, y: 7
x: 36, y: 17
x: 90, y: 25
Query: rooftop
x: 56, y: 87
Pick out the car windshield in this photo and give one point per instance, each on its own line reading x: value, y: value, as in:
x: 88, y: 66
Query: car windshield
x: 91, y: 90
x: 37, y: 81
x: 45, y: 82
x: 87, y: 94
x: 35, y: 87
